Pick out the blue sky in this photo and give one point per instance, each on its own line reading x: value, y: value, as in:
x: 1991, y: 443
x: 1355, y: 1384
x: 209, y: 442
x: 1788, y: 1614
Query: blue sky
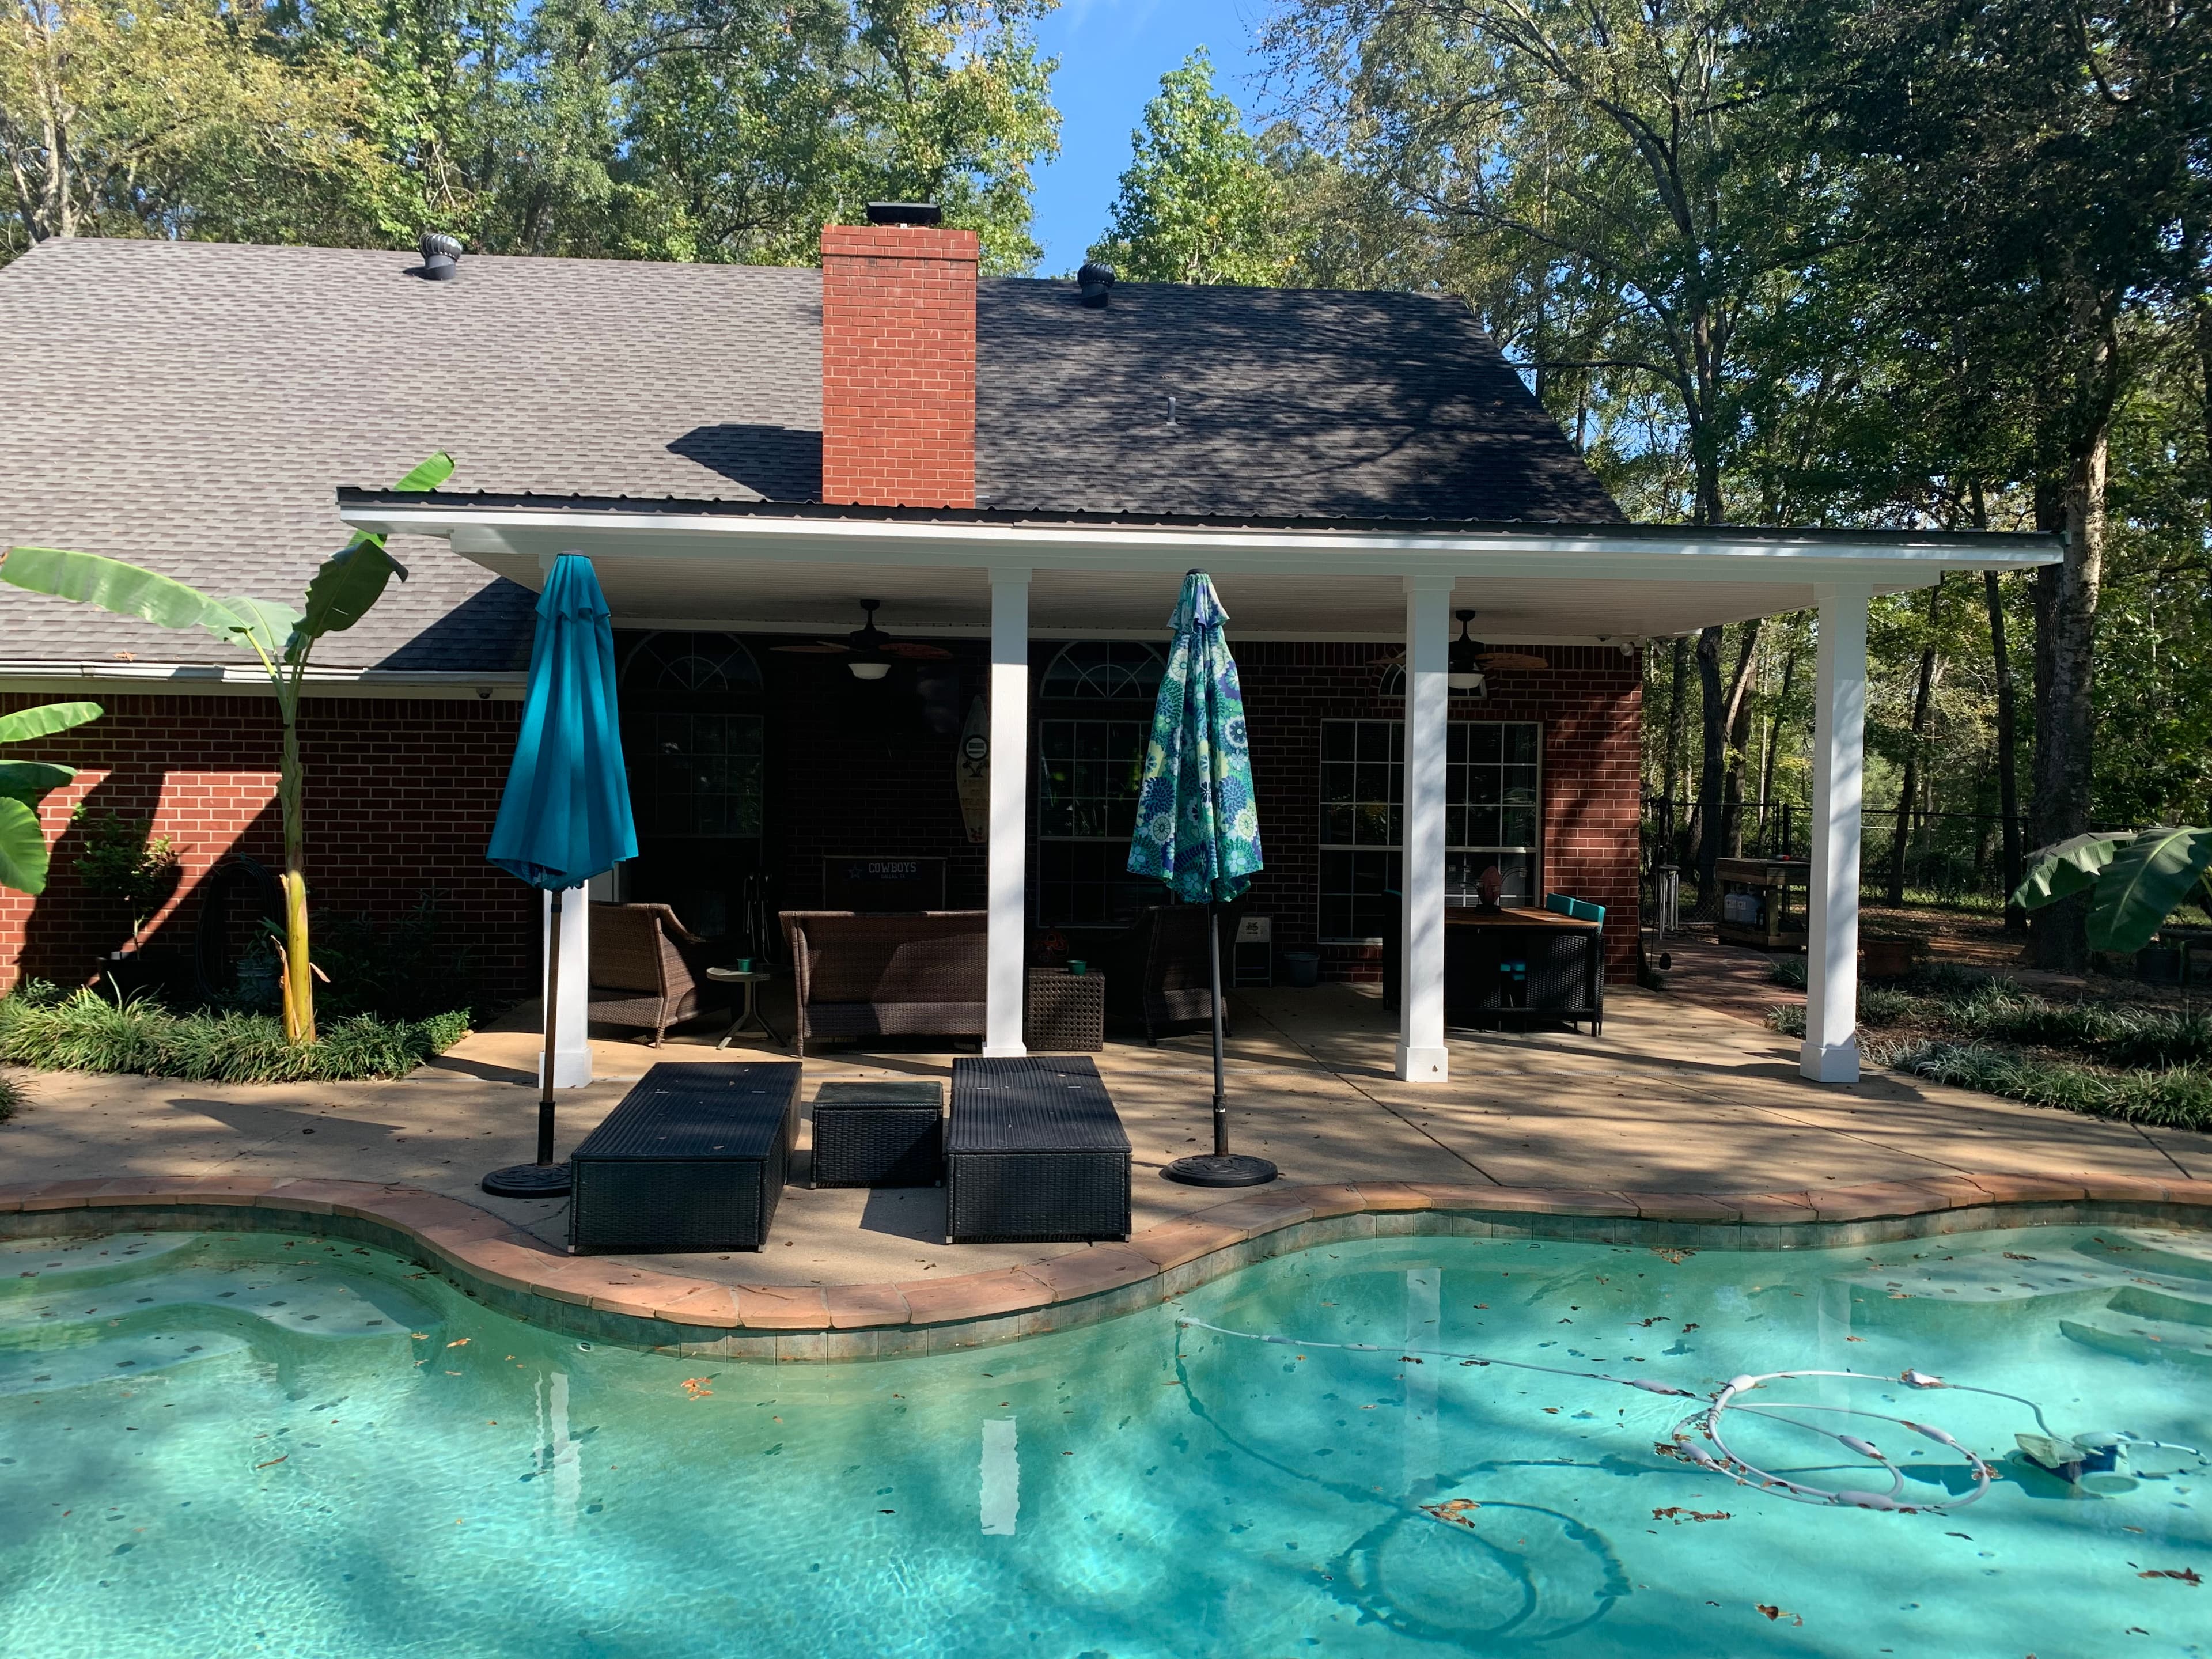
x: 1112, y: 54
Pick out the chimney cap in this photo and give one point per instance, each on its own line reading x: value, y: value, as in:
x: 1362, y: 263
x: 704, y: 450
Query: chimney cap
x: 905, y: 213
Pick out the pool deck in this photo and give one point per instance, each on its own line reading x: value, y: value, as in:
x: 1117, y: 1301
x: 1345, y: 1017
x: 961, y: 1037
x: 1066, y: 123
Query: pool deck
x: 1684, y: 1126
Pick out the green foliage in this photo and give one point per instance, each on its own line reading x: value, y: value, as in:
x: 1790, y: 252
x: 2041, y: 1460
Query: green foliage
x: 11, y: 1098
x: 411, y: 968
x: 124, y: 859
x: 1197, y: 205
x: 2136, y: 880
x: 2179, y: 1097
x: 23, y: 784
x: 86, y: 1031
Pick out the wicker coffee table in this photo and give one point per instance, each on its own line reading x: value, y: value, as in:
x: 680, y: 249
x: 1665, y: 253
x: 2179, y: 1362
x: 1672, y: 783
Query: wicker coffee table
x: 879, y: 1134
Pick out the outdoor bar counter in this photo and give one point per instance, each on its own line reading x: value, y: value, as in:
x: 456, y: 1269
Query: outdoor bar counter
x: 1513, y: 961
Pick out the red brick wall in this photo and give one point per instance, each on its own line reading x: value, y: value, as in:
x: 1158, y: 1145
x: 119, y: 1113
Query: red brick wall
x: 400, y: 799
x: 898, y: 366
x: 1590, y: 703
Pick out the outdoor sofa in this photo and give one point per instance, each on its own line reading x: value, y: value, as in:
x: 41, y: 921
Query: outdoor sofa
x: 907, y: 974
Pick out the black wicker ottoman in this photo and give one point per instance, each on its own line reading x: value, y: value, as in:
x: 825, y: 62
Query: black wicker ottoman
x: 1034, y: 1151
x: 879, y: 1134
x: 694, y: 1158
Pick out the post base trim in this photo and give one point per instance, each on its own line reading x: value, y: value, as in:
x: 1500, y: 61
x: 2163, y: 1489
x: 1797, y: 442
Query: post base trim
x: 1423, y: 1065
x: 1833, y: 1062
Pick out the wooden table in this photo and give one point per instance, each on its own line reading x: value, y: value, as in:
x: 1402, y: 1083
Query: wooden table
x: 1560, y: 968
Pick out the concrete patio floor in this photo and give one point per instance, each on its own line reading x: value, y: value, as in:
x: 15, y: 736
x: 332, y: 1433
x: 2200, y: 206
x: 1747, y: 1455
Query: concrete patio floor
x: 1673, y: 1098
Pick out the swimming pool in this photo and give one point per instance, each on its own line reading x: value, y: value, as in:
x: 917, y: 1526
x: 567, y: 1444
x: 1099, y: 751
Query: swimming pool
x: 220, y: 1444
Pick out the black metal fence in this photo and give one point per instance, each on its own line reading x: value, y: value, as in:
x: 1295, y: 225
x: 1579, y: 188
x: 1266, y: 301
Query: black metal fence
x: 1953, y: 860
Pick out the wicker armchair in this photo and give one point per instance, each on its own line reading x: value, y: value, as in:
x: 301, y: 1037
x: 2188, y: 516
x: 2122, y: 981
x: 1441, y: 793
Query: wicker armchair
x: 1157, y: 971
x: 647, y: 969
x: 918, y: 973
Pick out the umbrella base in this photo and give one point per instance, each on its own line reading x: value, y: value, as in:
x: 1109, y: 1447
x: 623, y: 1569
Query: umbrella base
x: 528, y: 1181
x: 1221, y: 1169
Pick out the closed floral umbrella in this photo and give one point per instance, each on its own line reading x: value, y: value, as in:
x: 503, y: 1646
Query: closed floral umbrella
x: 565, y: 817
x: 1198, y: 828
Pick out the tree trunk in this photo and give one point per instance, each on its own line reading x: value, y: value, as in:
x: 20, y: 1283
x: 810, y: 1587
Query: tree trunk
x: 2066, y: 660
x: 1677, y: 725
x: 299, y: 970
x: 1715, y: 735
x: 1738, y: 736
x: 1774, y: 744
x: 2008, y: 752
x: 1907, y: 794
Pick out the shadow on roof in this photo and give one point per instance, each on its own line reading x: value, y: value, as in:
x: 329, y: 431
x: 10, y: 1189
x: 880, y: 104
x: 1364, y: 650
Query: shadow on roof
x: 776, y: 463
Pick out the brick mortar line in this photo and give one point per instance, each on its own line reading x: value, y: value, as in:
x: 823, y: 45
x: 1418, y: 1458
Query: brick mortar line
x: 489, y: 1260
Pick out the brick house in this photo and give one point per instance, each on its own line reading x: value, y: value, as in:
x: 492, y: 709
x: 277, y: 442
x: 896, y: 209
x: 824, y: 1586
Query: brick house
x: 1018, y: 472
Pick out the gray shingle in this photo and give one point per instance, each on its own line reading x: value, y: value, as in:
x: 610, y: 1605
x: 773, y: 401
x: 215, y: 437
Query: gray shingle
x: 192, y: 406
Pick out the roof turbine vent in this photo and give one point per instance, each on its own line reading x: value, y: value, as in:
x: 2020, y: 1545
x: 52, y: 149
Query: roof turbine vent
x: 1092, y: 283
x: 441, y: 256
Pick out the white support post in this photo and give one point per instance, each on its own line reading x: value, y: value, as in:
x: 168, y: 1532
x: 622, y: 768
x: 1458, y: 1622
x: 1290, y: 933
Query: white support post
x: 1422, y: 1057
x: 571, y: 1040
x: 1831, y: 1050
x: 1007, y: 947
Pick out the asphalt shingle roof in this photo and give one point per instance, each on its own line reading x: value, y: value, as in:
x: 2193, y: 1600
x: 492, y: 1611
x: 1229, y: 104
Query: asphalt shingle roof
x: 192, y: 406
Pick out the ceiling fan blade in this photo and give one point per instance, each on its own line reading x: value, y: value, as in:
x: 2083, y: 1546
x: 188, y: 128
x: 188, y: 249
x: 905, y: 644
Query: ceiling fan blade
x: 1495, y: 660
x: 915, y: 652
x: 819, y: 649
x: 1395, y: 659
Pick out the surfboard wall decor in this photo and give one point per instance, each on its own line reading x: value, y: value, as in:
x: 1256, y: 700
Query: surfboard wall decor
x: 971, y: 768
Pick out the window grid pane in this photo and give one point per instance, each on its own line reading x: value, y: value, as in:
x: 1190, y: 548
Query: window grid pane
x: 1090, y: 772
x: 1493, y: 792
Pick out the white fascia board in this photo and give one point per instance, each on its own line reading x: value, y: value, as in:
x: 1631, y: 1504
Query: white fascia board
x: 214, y: 679
x: 835, y: 627
x: 528, y: 533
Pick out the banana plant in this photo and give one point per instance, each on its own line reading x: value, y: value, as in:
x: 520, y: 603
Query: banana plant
x: 24, y: 784
x: 2136, y: 879
x: 281, y: 639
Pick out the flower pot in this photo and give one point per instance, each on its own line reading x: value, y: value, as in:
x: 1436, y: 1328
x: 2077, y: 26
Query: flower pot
x: 1302, y: 967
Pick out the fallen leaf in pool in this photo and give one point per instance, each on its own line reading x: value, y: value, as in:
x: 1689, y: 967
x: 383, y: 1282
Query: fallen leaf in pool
x: 2186, y: 1575
x: 274, y: 1462
x: 1779, y: 1612
x: 695, y: 1387
x: 458, y: 1342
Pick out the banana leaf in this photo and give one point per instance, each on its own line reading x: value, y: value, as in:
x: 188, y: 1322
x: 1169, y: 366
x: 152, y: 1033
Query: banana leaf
x: 354, y: 579
x: 22, y: 848
x: 45, y: 719
x: 243, y: 621
x: 2067, y: 868
x: 127, y: 590
x: 2147, y: 879
x: 32, y: 781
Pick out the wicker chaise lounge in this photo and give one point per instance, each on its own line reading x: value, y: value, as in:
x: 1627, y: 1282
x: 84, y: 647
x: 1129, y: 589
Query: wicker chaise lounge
x: 1034, y: 1151
x: 912, y: 974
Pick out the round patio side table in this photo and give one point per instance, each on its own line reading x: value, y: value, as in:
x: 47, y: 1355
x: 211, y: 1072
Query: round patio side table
x: 749, y: 1017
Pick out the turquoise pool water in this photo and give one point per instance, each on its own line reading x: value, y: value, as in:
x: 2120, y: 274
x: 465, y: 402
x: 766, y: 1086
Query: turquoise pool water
x: 218, y: 1444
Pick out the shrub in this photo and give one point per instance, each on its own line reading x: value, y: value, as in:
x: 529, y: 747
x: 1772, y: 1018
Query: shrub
x: 409, y: 969
x: 85, y: 1032
x: 11, y: 1098
x: 2178, y: 1098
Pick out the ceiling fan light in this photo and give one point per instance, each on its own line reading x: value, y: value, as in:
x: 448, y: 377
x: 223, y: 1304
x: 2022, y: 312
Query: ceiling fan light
x: 863, y: 670
x: 1467, y: 680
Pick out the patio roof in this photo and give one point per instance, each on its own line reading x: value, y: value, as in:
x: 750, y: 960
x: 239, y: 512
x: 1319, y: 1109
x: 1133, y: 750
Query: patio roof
x: 802, y: 566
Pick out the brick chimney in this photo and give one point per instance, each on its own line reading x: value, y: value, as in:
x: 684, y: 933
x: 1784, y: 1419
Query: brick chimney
x: 898, y: 363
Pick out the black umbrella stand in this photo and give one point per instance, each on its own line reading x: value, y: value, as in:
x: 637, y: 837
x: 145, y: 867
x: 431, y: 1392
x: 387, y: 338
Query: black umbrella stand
x: 545, y: 1178
x: 1220, y: 1167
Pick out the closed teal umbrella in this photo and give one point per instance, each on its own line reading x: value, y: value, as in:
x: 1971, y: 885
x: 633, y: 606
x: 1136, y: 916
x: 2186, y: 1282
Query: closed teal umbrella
x: 1198, y: 828
x: 565, y: 817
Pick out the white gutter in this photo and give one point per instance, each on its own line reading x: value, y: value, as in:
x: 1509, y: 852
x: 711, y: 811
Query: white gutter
x: 220, y: 679
x: 1535, y: 551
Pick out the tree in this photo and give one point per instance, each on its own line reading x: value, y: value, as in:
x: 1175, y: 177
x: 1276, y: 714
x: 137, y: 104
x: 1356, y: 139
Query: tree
x: 24, y: 784
x: 282, y: 640
x: 181, y: 118
x: 1197, y: 205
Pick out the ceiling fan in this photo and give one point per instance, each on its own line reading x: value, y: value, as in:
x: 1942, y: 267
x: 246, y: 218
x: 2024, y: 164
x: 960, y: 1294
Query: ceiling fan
x: 867, y: 649
x: 1469, y: 661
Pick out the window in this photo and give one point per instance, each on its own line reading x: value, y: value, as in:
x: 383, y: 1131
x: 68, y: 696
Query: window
x: 1096, y: 720
x: 690, y: 704
x: 692, y: 662
x: 1492, y: 790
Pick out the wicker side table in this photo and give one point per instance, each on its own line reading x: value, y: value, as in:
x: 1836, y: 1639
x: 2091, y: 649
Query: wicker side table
x: 1065, y: 1012
x: 879, y: 1134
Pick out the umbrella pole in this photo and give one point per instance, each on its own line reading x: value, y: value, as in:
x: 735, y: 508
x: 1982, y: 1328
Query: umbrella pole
x: 1221, y: 1168
x: 545, y: 1178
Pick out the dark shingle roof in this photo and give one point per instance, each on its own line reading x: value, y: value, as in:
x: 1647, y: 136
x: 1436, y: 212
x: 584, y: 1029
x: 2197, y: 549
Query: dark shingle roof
x: 191, y: 405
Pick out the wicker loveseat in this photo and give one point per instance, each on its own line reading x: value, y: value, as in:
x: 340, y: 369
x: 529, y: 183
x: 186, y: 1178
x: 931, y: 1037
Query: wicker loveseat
x: 862, y: 975
x: 647, y: 969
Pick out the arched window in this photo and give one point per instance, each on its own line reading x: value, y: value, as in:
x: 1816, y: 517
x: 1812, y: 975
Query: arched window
x: 1094, y: 717
x: 1104, y: 670
x: 673, y: 661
